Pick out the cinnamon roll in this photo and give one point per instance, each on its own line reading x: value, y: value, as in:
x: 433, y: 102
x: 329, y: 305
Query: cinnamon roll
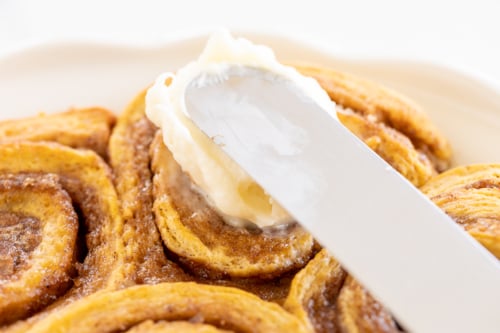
x: 390, y: 124
x: 173, y: 234
x: 78, y: 128
x: 325, y: 299
x: 34, y: 269
x: 136, y: 246
x: 171, y: 306
x: 471, y: 196
x: 129, y: 157
x: 60, y: 223
x: 174, y: 327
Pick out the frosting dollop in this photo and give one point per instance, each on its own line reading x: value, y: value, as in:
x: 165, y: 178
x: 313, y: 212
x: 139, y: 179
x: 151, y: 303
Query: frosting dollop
x: 226, y: 186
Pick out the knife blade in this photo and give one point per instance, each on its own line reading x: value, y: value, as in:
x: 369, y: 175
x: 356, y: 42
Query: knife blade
x: 409, y: 254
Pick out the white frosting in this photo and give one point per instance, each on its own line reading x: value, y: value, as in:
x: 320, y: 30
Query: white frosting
x: 227, y: 187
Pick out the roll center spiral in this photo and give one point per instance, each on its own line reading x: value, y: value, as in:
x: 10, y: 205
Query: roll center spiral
x: 19, y: 236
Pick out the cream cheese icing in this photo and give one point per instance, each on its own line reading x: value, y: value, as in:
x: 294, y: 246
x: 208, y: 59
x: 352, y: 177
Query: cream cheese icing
x: 227, y: 187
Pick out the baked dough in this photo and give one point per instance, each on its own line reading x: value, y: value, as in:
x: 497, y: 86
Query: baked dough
x: 37, y: 243
x: 326, y: 299
x: 78, y: 128
x: 172, y: 234
x: 98, y: 261
x: 392, y: 125
x: 222, y: 307
x: 471, y: 196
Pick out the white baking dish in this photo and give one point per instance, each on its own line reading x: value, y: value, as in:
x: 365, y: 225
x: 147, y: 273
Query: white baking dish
x: 54, y: 77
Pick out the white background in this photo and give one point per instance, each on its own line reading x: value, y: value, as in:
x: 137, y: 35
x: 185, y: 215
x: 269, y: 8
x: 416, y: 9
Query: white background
x: 459, y: 34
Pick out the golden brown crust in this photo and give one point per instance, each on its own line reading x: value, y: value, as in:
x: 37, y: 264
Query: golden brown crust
x: 129, y: 157
x: 79, y: 128
x: 86, y: 178
x: 471, y: 196
x: 385, y: 119
x: 170, y: 233
x: 359, y: 312
x: 35, y: 214
x: 195, y: 232
x: 174, y: 327
x: 391, y: 145
x: 151, y: 259
x: 324, y: 300
x: 313, y: 293
x: 226, y: 308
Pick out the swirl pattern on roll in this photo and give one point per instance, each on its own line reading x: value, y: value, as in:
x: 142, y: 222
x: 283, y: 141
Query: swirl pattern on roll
x: 77, y: 128
x: 61, y: 226
x: 158, y: 199
x: 34, y: 269
x: 185, y: 304
x: 325, y: 299
x: 390, y: 124
x: 471, y: 196
x: 139, y: 249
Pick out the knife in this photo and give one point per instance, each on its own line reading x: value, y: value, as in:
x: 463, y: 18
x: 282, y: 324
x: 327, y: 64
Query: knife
x: 410, y: 255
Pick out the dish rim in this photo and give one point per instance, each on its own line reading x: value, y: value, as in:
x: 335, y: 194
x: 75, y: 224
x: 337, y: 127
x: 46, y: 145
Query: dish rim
x: 316, y: 46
